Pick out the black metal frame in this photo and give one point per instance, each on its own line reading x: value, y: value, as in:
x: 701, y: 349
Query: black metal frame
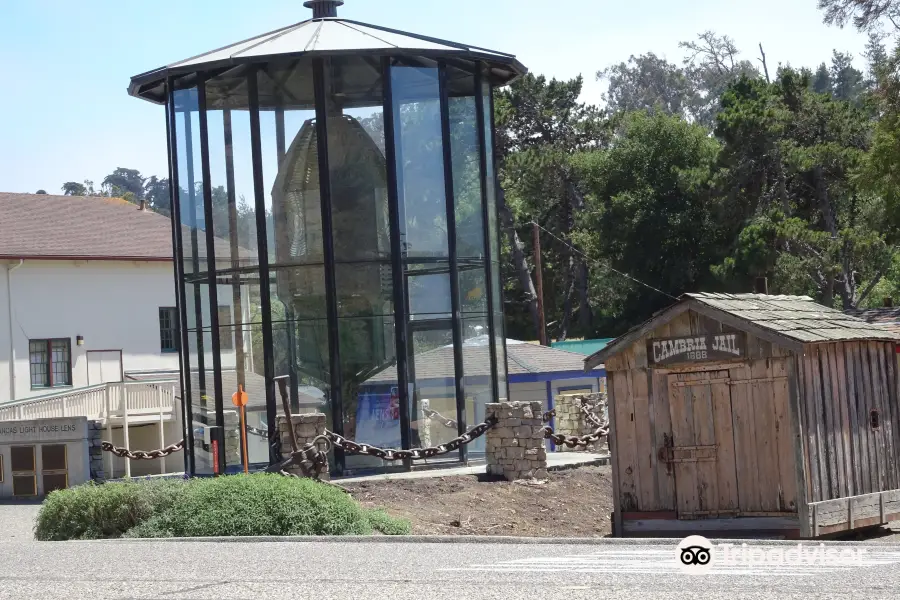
x: 403, y: 327
x: 262, y: 243
x: 450, y: 203
x: 334, y: 350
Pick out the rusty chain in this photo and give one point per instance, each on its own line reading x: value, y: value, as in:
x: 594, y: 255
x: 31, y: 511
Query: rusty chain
x: 309, y: 453
x: 351, y: 447
x: 142, y: 454
x: 434, y: 415
x: 549, y: 415
x: 574, y: 441
x: 587, y: 411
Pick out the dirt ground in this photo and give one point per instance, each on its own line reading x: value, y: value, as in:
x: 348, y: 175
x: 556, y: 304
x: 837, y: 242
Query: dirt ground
x: 573, y: 503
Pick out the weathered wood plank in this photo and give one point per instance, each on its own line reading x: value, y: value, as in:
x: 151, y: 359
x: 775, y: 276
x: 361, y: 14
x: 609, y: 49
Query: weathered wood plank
x: 821, y: 425
x: 744, y: 440
x: 795, y: 430
x: 628, y: 478
x: 726, y: 469
x: 764, y: 432
x: 681, y: 399
x: 614, y: 449
x: 878, y: 405
x: 890, y: 356
x: 838, y: 397
x: 867, y: 506
x: 665, y: 476
x: 843, y: 399
x: 808, y: 406
x: 859, y: 486
x: 705, y: 435
x: 887, y: 419
x: 868, y: 405
x: 832, y: 414
x: 861, y: 430
x: 784, y: 439
x: 645, y: 476
x: 680, y: 325
x: 639, y: 352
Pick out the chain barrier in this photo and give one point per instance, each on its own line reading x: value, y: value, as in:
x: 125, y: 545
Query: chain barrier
x: 601, y: 431
x: 588, y: 411
x: 142, y: 454
x: 550, y: 414
x: 434, y: 415
x: 310, y: 453
x: 351, y: 447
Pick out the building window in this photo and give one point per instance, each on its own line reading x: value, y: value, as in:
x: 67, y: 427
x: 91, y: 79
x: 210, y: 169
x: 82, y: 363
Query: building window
x: 226, y: 331
x: 54, y: 467
x: 168, y: 329
x: 23, y: 479
x: 51, y: 363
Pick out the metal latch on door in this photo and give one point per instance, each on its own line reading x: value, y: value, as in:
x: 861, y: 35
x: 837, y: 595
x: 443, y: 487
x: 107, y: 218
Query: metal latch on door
x: 687, y: 454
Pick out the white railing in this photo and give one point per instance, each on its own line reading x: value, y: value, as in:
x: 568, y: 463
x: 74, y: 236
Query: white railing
x: 104, y: 402
x: 123, y: 403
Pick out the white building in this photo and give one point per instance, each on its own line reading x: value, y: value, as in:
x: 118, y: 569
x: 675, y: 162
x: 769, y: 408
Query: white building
x: 87, y: 297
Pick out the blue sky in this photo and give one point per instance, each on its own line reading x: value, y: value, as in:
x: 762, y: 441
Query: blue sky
x: 67, y: 117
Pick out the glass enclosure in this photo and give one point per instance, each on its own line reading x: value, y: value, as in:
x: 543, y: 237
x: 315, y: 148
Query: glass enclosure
x: 335, y: 229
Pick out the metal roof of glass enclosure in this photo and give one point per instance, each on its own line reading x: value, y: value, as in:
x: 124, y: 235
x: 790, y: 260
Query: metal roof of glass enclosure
x: 335, y: 233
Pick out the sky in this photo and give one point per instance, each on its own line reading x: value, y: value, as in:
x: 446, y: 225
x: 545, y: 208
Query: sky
x: 65, y: 114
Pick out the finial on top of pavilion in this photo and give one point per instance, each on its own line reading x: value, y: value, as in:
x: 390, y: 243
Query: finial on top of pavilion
x: 323, y: 9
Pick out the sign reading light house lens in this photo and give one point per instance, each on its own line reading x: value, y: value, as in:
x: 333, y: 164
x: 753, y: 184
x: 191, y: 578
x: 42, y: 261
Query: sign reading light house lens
x: 696, y: 348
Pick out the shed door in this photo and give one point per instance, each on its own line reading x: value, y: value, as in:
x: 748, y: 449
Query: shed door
x: 701, y: 451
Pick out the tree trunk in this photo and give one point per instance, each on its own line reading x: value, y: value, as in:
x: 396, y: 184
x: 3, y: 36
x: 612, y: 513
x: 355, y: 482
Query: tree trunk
x: 576, y: 204
x: 520, y: 262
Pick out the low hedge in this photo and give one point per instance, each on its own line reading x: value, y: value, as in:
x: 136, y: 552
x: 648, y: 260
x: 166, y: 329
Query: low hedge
x: 238, y: 505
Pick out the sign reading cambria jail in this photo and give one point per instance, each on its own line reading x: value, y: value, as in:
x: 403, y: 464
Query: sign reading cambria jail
x: 696, y: 348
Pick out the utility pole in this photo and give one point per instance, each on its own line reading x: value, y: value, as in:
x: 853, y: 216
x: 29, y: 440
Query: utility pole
x: 539, y: 284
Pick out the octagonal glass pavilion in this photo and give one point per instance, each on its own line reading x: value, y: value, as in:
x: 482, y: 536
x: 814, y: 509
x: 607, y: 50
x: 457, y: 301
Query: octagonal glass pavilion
x: 336, y: 239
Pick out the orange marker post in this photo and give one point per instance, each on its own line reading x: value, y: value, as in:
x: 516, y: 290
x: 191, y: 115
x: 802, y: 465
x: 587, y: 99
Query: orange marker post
x: 240, y: 400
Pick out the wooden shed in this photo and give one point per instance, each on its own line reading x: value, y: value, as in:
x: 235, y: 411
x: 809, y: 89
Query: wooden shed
x: 752, y: 414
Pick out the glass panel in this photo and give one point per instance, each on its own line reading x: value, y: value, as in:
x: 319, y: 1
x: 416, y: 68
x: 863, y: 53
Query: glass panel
x: 53, y: 458
x: 22, y: 458
x: 494, y: 239
x: 470, y: 247
x: 423, y: 206
x: 54, y: 481
x: 362, y: 252
x: 39, y: 360
x: 61, y: 362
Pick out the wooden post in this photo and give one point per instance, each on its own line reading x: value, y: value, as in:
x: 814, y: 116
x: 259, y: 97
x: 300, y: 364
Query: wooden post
x: 109, y: 431
x: 162, y: 437
x: 123, y: 403
x: 539, y: 284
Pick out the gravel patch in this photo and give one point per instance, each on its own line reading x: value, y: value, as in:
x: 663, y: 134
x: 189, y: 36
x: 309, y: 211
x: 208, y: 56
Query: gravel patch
x: 17, y: 521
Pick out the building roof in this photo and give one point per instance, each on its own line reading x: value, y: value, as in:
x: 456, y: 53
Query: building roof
x: 586, y: 347
x: 789, y: 321
x: 324, y: 37
x: 522, y: 359
x: 45, y: 226
x: 889, y: 318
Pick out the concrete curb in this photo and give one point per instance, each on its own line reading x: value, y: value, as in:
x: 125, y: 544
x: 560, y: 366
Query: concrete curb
x: 505, y: 540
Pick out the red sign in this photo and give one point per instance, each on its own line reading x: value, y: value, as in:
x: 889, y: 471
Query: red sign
x: 215, y: 456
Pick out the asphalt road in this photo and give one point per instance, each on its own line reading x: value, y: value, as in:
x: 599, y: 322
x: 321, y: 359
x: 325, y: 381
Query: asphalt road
x: 394, y: 571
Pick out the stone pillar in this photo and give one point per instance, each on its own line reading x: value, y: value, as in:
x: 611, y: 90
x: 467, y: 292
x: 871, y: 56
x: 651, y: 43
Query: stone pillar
x: 571, y: 421
x: 95, y: 439
x: 424, y: 423
x: 306, y: 428
x: 232, y: 421
x: 515, y: 445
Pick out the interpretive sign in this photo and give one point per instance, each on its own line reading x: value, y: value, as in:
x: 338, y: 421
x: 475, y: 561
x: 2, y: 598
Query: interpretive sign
x: 43, y: 430
x: 696, y: 348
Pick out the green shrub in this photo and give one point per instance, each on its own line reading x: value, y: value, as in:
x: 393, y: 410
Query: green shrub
x: 240, y: 505
x: 386, y: 524
x: 94, y: 511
